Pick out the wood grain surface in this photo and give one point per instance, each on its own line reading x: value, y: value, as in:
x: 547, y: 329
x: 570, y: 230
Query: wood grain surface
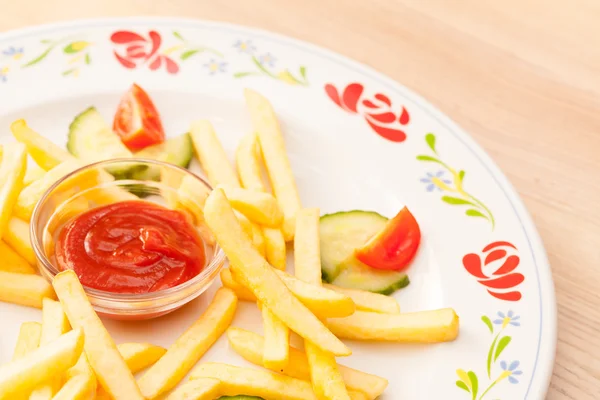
x: 521, y: 76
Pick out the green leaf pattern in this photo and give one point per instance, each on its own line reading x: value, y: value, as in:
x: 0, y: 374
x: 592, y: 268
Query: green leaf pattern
x: 75, y: 52
x: 454, y: 192
x: 469, y: 381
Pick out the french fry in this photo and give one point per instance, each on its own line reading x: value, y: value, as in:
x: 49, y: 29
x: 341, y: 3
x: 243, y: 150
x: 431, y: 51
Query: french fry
x: 275, y: 251
x: 104, y: 357
x: 417, y: 327
x: 211, y: 155
x: 240, y: 290
x: 251, y: 345
x: 54, y: 324
x: 368, y: 301
x: 326, y: 378
x: 17, y: 237
x: 256, y: 274
x: 33, y: 172
x: 28, y: 340
x: 190, y: 346
x: 12, y: 170
x: 198, y: 389
x: 24, y: 289
x: 29, y: 197
x: 81, y: 382
x: 259, y: 207
x: 324, y: 303
x: 247, y: 157
x: 258, y: 240
x: 138, y: 356
x: 277, y: 162
x: 13, y: 262
x: 45, y: 153
x: 19, y: 377
x: 277, y: 334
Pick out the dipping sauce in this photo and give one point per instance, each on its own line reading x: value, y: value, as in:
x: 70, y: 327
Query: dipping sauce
x: 131, y: 247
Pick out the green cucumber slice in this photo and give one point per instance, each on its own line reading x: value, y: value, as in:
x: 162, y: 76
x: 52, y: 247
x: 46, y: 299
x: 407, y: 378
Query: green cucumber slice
x: 178, y: 150
x: 356, y: 275
x: 341, y: 234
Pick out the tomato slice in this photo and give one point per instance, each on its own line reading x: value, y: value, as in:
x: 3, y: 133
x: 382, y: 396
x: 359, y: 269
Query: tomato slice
x: 137, y: 121
x: 393, y: 247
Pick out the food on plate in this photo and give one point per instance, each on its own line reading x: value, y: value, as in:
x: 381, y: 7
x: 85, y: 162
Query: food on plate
x: 341, y: 234
x: 251, y: 346
x: 17, y: 237
x: 277, y: 334
x: 19, y: 377
x: 12, y: 170
x: 415, y: 327
x: 137, y: 120
x: 178, y: 151
x: 28, y: 340
x: 275, y: 251
x: 276, y: 159
x: 327, y: 381
x: 241, y: 291
x: 13, y: 262
x: 211, y: 155
x: 394, y: 247
x: 80, y: 384
x: 44, y: 152
x: 240, y: 397
x: 179, y: 359
x: 138, y: 356
x: 258, y: 240
x: 99, y: 246
x: 32, y: 173
x: 198, y: 389
x: 24, y: 289
x: 248, y: 161
x: 368, y: 301
x: 255, y: 273
x: 104, y: 357
x: 259, y: 207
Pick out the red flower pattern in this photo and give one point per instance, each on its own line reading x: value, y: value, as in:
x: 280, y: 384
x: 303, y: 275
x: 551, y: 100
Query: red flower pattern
x: 502, y: 278
x: 140, y: 50
x: 377, y: 111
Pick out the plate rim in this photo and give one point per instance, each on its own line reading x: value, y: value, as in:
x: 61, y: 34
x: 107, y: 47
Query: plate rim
x: 536, y: 246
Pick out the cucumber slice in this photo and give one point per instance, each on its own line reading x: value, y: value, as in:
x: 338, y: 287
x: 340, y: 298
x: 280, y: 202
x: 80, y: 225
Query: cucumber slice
x: 91, y: 139
x: 341, y: 234
x: 178, y: 150
x: 356, y: 275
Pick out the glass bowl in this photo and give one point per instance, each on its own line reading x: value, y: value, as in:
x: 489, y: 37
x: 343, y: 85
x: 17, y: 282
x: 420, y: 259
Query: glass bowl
x: 117, y: 180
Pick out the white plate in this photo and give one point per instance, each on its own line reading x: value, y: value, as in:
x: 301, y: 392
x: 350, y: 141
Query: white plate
x: 343, y: 159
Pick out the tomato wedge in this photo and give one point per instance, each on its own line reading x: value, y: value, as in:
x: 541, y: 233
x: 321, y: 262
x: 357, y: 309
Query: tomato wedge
x: 393, y: 247
x: 137, y: 121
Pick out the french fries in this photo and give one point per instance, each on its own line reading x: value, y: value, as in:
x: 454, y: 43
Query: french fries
x: 275, y: 251
x: 240, y: 290
x: 45, y: 153
x: 211, y: 155
x: 104, y: 357
x: 253, y: 232
x: 417, y: 327
x: 324, y: 303
x: 259, y: 207
x: 277, y: 334
x: 190, y: 346
x: 13, y: 262
x: 256, y: 274
x: 24, y: 289
x: 17, y: 378
x: 368, y: 301
x: 251, y: 346
x: 138, y: 356
x: 81, y: 382
x: 54, y: 324
x: 277, y: 162
x: 12, y: 170
x: 327, y: 381
x: 28, y: 340
x: 198, y: 389
x: 33, y: 172
x: 17, y: 237
x: 247, y: 159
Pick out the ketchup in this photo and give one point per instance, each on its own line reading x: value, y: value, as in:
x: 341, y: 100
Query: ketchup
x: 131, y: 247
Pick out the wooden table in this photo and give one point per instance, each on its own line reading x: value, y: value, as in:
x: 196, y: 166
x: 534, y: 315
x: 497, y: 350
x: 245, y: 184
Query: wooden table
x: 522, y: 77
